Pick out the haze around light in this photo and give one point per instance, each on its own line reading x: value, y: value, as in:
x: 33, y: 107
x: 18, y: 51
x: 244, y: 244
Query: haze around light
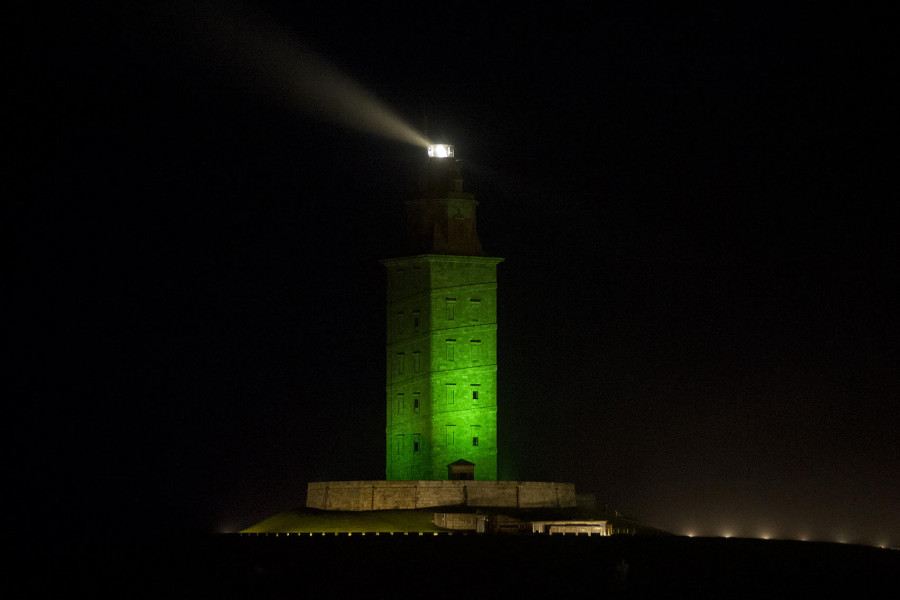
x: 263, y: 54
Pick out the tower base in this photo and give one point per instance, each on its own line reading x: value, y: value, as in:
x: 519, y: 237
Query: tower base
x: 392, y: 495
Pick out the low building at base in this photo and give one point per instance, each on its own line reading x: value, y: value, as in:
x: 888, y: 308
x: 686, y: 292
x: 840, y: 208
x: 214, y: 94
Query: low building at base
x: 500, y: 523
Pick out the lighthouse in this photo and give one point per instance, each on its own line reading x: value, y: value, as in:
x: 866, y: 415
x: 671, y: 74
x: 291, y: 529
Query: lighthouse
x: 441, y: 351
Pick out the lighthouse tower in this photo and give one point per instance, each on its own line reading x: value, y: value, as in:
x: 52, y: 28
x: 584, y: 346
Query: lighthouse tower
x: 441, y: 337
x: 441, y: 351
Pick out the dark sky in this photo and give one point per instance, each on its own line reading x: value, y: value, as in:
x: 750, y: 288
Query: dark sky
x: 698, y: 319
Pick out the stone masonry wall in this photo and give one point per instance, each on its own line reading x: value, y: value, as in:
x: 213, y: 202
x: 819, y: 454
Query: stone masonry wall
x: 388, y: 495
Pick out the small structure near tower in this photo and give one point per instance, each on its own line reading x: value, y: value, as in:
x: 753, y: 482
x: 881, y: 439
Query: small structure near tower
x: 461, y: 470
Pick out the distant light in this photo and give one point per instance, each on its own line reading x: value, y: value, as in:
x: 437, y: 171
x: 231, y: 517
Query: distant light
x: 440, y: 150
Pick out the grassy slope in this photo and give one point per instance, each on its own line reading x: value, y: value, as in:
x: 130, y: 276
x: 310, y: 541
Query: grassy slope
x: 310, y: 520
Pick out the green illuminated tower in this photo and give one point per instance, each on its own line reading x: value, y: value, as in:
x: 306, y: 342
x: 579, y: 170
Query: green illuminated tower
x: 442, y: 337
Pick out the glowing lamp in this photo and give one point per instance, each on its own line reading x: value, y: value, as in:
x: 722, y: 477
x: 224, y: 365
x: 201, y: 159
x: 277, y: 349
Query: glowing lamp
x: 440, y: 150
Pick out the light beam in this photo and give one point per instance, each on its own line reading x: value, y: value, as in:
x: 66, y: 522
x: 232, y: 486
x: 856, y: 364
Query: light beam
x: 263, y: 54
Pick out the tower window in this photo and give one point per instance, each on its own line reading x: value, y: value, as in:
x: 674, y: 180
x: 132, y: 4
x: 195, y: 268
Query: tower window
x: 416, y: 402
x: 451, y: 393
x: 451, y: 434
x: 398, y: 444
x: 451, y: 308
x: 475, y: 390
x: 399, y: 363
x: 476, y: 349
x: 416, y: 442
x: 475, y: 441
x: 416, y: 361
x: 475, y: 303
x: 416, y: 321
x: 399, y: 404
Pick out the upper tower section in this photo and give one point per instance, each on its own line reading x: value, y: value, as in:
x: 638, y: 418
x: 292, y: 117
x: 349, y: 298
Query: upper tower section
x: 442, y: 219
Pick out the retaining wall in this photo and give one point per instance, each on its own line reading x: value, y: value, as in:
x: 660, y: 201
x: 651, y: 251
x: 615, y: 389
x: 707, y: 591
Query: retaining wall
x: 389, y: 495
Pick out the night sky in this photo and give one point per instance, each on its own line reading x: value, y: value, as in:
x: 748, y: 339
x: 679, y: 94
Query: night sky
x: 697, y: 319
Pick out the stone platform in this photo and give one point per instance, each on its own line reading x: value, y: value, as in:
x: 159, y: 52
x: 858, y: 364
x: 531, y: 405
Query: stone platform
x: 392, y: 495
